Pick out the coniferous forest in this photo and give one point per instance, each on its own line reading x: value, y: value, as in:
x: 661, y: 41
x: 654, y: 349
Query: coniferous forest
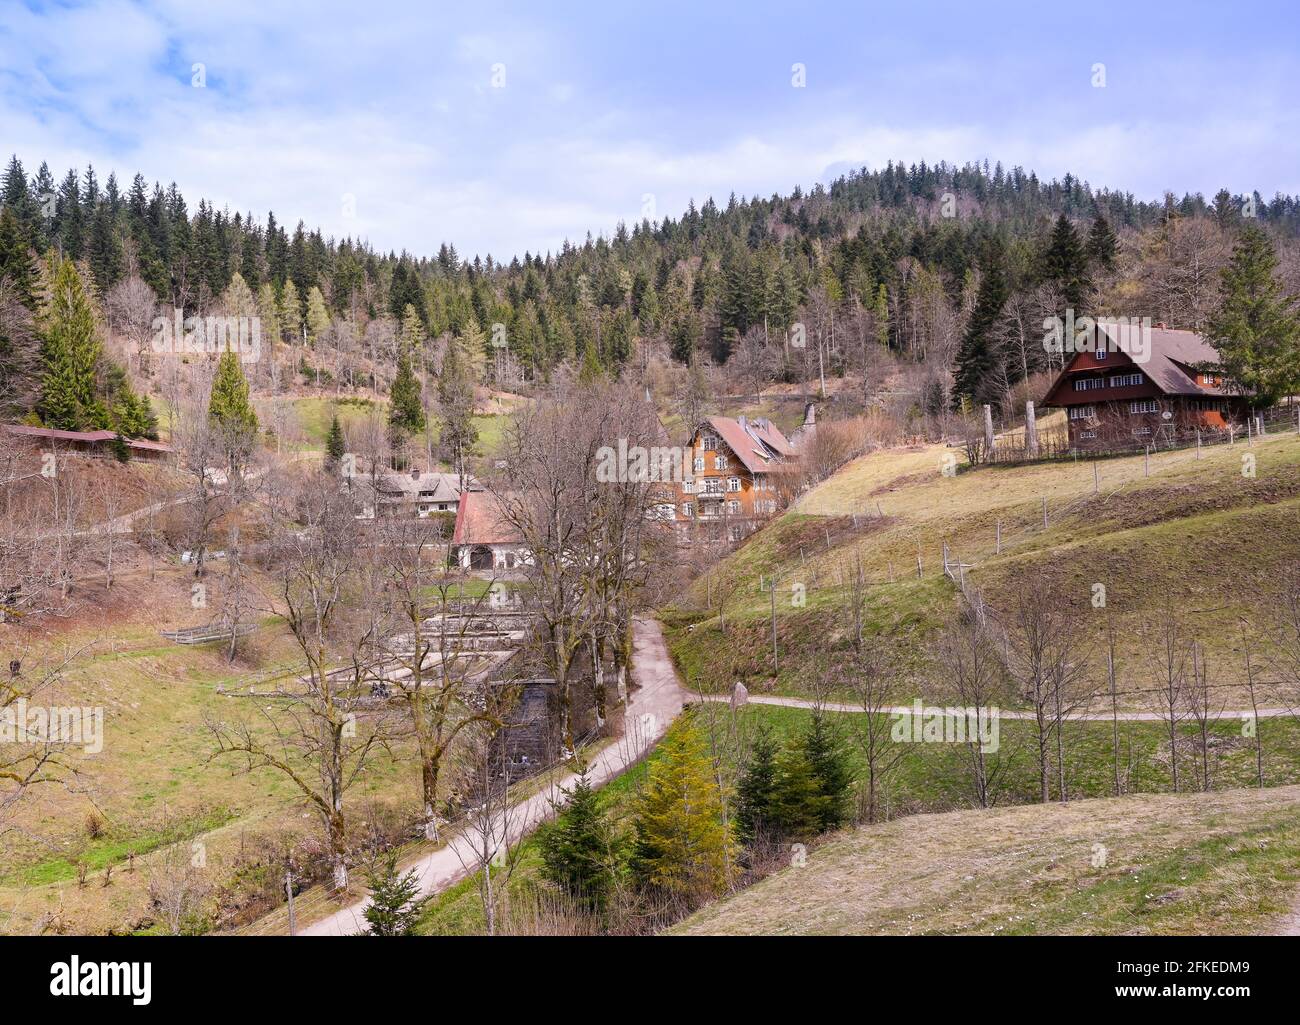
x: 946, y: 272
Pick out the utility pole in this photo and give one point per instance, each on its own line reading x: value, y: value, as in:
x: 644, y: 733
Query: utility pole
x: 776, y: 667
x: 288, y: 889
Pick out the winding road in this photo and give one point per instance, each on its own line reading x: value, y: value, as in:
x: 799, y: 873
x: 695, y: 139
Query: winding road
x: 655, y: 703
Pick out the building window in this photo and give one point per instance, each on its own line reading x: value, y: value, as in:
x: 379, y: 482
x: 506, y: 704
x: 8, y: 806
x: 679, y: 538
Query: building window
x: 1087, y: 434
x: 1143, y: 406
x: 699, y: 464
x: 719, y: 462
x: 687, y: 487
x: 712, y: 486
x: 688, y: 510
x: 733, y: 507
x: 1125, y: 380
x: 733, y: 484
x: 736, y: 533
x: 708, y: 442
x: 1082, y: 412
x: 1101, y: 349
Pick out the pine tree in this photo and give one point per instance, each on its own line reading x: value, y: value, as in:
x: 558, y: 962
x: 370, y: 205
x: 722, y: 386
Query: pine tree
x: 71, y: 350
x: 395, y: 902
x: 978, y: 361
x: 756, y: 792
x: 823, y: 749
x: 1255, y: 329
x: 579, y: 849
x: 683, y: 845
x: 334, y: 444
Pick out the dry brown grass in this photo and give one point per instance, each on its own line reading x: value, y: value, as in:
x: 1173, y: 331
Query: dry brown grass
x: 1221, y: 863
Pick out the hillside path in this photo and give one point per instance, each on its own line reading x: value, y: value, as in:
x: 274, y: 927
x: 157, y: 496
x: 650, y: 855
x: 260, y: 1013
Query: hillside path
x: 832, y: 706
x: 654, y: 704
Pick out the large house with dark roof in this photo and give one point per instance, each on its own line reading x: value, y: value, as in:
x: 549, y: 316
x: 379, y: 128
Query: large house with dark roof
x: 1162, y: 390
x: 739, y: 478
x: 420, y: 494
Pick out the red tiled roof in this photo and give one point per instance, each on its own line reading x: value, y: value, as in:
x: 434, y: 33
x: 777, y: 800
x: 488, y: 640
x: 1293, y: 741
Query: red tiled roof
x: 756, y: 444
x: 481, y: 521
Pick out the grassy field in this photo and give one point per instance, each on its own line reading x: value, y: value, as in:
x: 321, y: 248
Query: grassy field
x: 155, y: 779
x: 315, y: 415
x: 1195, y: 533
x: 1195, y: 864
x: 931, y: 785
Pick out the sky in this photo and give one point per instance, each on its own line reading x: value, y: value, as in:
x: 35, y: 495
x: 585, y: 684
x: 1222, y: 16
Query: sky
x: 505, y: 128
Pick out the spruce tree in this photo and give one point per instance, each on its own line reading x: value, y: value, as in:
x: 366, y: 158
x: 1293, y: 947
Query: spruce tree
x: 976, y: 376
x: 16, y: 262
x: 880, y: 313
x: 799, y: 805
x: 683, y: 846
x: 579, y: 848
x: 334, y: 444
x: 318, y: 318
x: 822, y: 747
x: 405, y: 410
x: 1066, y: 263
x: 459, y: 433
x: 1255, y: 329
x: 1102, y: 244
x: 229, y: 407
x: 756, y: 792
x: 70, y: 354
x: 395, y: 902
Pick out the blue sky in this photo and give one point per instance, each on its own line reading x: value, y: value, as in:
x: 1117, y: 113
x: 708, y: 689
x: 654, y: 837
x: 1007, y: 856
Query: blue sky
x: 385, y: 121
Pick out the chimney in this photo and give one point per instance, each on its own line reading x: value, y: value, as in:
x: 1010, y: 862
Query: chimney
x: 415, y: 473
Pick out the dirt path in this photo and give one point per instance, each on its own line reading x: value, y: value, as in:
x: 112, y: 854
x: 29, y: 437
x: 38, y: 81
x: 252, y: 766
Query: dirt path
x: 832, y: 706
x: 654, y: 704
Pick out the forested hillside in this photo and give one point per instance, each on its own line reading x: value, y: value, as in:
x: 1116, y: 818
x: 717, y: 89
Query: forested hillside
x: 943, y: 273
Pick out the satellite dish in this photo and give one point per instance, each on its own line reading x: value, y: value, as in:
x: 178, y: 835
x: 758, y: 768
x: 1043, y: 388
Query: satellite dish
x: 1167, y: 415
